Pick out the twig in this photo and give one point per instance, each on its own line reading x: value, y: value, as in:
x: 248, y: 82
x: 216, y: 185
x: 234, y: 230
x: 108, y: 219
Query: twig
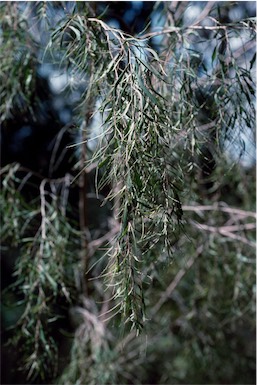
x: 226, y: 231
x: 31, y: 173
x: 83, y: 215
x: 65, y: 193
x: 93, y: 245
x: 192, y: 27
x: 175, y: 282
x: 43, y: 215
x: 218, y: 207
x: 53, y: 165
x: 205, y: 12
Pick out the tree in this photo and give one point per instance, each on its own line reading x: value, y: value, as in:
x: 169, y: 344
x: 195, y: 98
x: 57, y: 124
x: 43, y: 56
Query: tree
x: 168, y: 109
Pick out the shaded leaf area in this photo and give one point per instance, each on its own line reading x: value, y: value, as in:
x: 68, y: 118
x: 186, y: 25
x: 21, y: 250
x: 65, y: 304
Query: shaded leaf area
x: 190, y: 333
x: 43, y: 276
x: 148, y: 203
x: 17, y: 62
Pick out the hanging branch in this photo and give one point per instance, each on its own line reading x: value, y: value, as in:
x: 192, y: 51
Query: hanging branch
x: 83, y: 202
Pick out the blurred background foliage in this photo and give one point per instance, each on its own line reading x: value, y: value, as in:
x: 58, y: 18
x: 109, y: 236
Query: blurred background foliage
x: 163, y: 123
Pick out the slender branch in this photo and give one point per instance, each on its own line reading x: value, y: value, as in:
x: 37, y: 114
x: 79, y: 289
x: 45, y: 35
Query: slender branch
x: 31, y: 173
x: 226, y: 232
x: 83, y: 211
x: 218, y: 207
x: 205, y: 12
x: 193, y: 28
x: 53, y: 164
x: 83, y: 223
x: 172, y: 286
x: 224, y: 229
x: 246, y: 47
x: 43, y: 215
x: 109, y: 236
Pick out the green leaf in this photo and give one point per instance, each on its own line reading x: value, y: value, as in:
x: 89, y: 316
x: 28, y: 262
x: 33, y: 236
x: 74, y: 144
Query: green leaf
x: 151, y: 69
x: 104, y: 162
x: 147, y: 93
x: 214, y: 54
x: 76, y: 31
x: 252, y: 61
x: 51, y: 281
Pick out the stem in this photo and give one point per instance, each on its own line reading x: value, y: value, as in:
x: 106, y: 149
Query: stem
x: 83, y: 218
x: 83, y: 214
x: 83, y: 183
x: 219, y: 206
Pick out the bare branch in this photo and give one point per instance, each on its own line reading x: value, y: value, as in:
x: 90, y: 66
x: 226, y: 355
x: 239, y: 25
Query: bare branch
x: 172, y: 286
x: 226, y: 231
x: 219, y: 207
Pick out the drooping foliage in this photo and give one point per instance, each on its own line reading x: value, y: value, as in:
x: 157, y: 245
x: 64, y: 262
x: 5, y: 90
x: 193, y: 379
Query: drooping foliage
x: 167, y: 112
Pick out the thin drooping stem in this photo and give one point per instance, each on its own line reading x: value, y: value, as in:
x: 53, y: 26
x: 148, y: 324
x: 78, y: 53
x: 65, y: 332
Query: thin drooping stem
x: 83, y: 204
